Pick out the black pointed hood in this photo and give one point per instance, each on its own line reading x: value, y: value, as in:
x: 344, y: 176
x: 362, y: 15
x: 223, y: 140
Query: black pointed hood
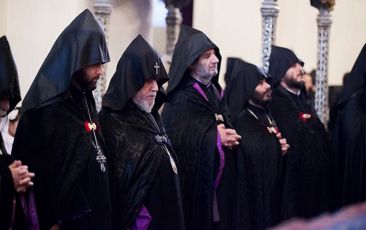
x: 9, y: 84
x: 230, y: 62
x: 190, y: 46
x: 356, y: 79
x: 244, y: 79
x: 280, y: 60
x: 139, y: 62
x: 81, y: 44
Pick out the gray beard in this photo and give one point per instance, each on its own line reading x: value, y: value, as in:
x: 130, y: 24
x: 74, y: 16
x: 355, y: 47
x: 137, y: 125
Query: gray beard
x: 144, y: 106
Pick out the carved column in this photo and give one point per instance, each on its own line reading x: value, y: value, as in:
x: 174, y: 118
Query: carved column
x: 324, y: 22
x: 269, y: 12
x: 102, y: 12
x: 173, y: 21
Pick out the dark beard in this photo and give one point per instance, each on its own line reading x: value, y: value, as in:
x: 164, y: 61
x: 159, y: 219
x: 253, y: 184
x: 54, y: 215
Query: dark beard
x: 296, y: 84
x: 257, y: 99
x: 81, y: 81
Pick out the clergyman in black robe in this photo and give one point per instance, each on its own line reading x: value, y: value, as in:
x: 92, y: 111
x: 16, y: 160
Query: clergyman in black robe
x: 145, y: 183
x: 196, y: 122
x: 14, y: 177
x: 349, y: 136
x: 248, y: 95
x: 58, y: 136
x: 307, y: 164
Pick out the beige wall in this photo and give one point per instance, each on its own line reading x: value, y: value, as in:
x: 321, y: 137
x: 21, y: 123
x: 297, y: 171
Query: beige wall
x: 297, y: 30
x: 349, y: 33
x: 33, y: 26
x: 235, y: 25
x: 129, y: 18
x: 3, y: 7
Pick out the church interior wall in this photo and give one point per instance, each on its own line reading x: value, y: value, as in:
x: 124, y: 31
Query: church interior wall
x: 3, y: 7
x: 348, y: 37
x: 33, y: 26
x: 235, y: 25
x: 129, y: 18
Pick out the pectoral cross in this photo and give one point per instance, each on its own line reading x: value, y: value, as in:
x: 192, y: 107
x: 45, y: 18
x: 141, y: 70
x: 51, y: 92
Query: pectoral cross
x: 156, y: 66
x: 101, y: 159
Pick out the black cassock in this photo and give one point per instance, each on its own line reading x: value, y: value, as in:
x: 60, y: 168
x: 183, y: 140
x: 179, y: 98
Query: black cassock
x: 191, y: 125
x: 260, y: 151
x: 144, y: 181
x: 349, y: 144
x: 143, y: 169
x: 9, y: 86
x: 69, y: 187
x: 58, y: 138
x: 349, y: 136
x: 190, y: 116
x: 16, y: 208
x: 307, y: 164
x: 7, y: 191
x: 263, y: 163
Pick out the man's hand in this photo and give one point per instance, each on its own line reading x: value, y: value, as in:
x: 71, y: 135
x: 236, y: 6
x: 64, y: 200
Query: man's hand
x: 55, y: 227
x: 22, y: 178
x: 283, y: 142
x: 229, y: 137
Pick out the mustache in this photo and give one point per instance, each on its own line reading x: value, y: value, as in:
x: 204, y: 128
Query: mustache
x: 97, y: 77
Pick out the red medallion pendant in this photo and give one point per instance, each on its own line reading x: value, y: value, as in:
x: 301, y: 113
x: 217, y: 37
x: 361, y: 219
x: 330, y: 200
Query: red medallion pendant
x: 90, y: 126
x: 304, y: 117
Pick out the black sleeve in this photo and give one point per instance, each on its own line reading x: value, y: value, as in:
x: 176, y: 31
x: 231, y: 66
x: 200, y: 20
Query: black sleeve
x: 7, y: 193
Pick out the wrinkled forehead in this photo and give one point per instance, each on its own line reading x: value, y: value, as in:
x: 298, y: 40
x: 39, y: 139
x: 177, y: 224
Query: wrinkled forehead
x: 208, y: 53
x: 150, y: 81
x: 205, y: 55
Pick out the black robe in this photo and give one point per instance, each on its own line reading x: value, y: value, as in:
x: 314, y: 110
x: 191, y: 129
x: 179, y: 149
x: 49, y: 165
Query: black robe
x: 263, y: 163
x: 258, y: 153
x: 11, y: 216
x: 191, y: 126
x: 349, y: 144
x: 307, y: 168
x: 142, y: 174
x: 16, y: 208
x: 70, y: 188
x: 349, y: 136
x: 7, y: 191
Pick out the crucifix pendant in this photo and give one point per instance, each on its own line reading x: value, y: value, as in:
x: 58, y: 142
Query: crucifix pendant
x: 156, y: 66
x: 101, y: 159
